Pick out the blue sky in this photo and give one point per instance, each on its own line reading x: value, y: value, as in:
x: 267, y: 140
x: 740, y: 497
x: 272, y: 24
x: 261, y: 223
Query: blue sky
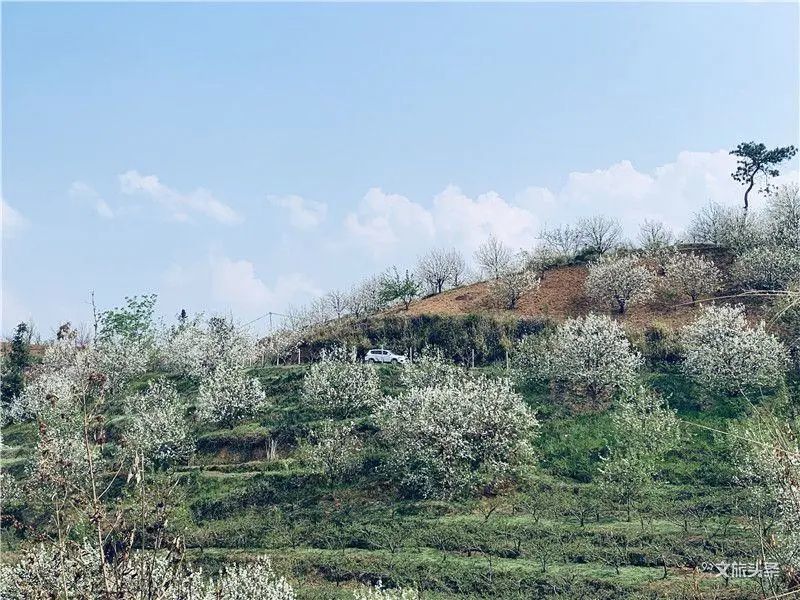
x: 244, y: 157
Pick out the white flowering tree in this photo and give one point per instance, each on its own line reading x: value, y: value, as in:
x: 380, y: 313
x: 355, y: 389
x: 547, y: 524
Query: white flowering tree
x: 693, y: 275
x: 655, y: 236
x: 725, y: 354
x: 42, y: 573
x: 339, y: 385
x: 229, y: 395
x: 768, y: 459
x: 768, y: 268
x: 450, y: 438
x: 588, y: 355
x: 196, y: 346
x: 782, y: 216
x: 724, y: 226
x: 80, y: 472
x: 439, y: 267
x: 157, y: 429
x: 620, y: 281
x: 644, y: 429
x: 255, y: 580
x: 429, y: 368
x: 564, y: 241
x: 335, y: 447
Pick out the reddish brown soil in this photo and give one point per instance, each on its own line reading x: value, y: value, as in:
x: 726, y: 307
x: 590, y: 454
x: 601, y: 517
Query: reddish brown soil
x: 560, y: 295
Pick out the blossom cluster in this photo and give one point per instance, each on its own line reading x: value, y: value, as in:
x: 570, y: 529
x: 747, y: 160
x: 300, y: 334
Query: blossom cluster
x: 722, y: 352
x: 339, y: 385
x: 620, y: 281
x: 589, y: 355
x: 452, y: 435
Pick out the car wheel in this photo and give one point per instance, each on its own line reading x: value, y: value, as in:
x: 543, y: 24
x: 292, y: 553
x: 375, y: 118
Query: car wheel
x: 370, y: 360
x: 394, y: 361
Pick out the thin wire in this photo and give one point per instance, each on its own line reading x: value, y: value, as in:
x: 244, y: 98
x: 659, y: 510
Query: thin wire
x: 740, y: 437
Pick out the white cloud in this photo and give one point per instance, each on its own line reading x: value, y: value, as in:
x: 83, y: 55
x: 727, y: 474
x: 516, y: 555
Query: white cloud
x: 84, y: 192
x: 180, y: 206
x: 671, y: 192
x: 303, y: 214
x: 234, y: 284
x: 12, y: 220
x: 384, y: 220
x: 466, y: 222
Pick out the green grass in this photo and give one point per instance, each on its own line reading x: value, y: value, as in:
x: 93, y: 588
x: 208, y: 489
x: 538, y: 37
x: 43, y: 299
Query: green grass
x: 331, y: 536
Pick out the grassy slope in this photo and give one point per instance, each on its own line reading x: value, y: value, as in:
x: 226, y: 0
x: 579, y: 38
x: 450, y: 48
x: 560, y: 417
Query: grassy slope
x: 330, y: 535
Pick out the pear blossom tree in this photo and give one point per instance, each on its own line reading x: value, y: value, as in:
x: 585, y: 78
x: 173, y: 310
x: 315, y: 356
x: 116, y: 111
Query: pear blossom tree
x: 335, y: 447
x: 621, y: 281
x: 768, y: 268
x: 228, y: 395
x: 197, y: 345
x: 435, y: 269
x: 588, y: 355
x: 39, y: 574
x: 644, y: 430
x: 565, y: 241
x: 157, y: 429
x: 458, y: 267
x: 782, y: 216
x: 723, y: 353
x: 337, y: 303
x: 693, y: 275
x: 339, y: 385
x: 655, y: 236
x: 451, y: 437
x: 429, y: 368
x: 79, y: 472
x: 768, y: 457
x: 724, y: 226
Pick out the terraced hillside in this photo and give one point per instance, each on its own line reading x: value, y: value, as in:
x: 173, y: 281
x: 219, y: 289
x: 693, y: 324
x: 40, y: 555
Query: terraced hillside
x: 251, y: 490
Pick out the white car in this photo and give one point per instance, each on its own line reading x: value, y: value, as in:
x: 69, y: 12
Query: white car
x: 383, y: 356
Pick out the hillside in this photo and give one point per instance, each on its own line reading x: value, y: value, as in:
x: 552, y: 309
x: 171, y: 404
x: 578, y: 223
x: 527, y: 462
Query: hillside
x: 251, y: 490
x: 561, y: 295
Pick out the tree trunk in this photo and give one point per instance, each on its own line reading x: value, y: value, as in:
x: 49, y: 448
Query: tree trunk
x: 747, y: 193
